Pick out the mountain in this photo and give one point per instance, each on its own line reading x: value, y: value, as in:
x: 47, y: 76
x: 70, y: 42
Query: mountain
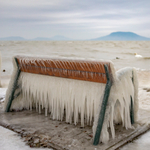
x: 122, y: 36
x: 54, y: 38
x: 115, y: 36
x: 13, y: 38
x: 40, y: 39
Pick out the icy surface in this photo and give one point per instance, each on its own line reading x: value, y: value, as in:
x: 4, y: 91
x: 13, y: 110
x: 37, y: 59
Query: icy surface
x: 2, y: 94
x: 59, y: 94
x: 143, y: 143
x: 118, y: 107
x: 10, y: 140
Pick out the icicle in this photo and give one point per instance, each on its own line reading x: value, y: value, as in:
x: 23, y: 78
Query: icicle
x: 30, y: 105
x: 39, y: 108
x: 36, y: 106
x: 45, y: 111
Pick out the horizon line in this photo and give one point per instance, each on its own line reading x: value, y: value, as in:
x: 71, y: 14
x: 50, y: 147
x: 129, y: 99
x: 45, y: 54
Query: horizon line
x: 26, y: 39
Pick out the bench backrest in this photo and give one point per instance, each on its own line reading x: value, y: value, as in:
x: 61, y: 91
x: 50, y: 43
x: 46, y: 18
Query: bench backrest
x: 73, y: 69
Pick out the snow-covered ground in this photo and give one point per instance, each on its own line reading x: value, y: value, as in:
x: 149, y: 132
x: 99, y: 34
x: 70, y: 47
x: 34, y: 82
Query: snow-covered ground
x: 2, y: 94
x: 10, y: 140
x: 142, y: 143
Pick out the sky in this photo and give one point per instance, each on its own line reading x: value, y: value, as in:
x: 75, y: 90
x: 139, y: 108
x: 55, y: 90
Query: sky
x: 76, y: 19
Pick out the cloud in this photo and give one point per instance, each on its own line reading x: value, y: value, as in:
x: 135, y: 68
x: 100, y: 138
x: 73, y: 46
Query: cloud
x: 75, y: 15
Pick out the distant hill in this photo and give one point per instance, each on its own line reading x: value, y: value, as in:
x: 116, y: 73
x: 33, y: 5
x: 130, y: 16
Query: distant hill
x: 55, y: 38
x: 115, y: 36
x: 122, y: 36
x: 12, y: 38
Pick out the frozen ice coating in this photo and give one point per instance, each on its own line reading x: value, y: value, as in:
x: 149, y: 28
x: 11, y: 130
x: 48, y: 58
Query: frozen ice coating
x: 76, y: 101
x: 119, y: 103
x: 67, y: 68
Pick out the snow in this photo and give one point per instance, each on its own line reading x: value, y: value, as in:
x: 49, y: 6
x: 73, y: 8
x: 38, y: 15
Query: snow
x: 142, y: 142
x: 10, y: 140
x: 2, y: 94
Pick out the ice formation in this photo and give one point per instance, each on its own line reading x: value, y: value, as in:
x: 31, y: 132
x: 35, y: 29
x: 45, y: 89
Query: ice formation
x: 81, y: 100
x: 118, y: 108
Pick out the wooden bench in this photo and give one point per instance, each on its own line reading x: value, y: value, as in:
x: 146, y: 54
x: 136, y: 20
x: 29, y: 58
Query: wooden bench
x: 79, y: 73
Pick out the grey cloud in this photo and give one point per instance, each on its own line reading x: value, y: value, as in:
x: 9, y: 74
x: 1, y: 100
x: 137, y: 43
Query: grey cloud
x: 77, y: 14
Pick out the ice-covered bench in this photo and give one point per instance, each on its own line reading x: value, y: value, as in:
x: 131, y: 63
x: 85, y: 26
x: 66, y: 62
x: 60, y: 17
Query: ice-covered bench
x: 85, y: 91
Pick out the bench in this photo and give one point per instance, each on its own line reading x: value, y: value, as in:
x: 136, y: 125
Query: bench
x: 85, y: 91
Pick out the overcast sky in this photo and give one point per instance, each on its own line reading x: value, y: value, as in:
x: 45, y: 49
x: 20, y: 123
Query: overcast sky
x: 78, y: 19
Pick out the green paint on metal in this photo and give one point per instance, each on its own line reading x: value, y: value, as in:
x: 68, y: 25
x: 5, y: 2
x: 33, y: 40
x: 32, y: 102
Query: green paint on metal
x: 14, y: 88
x: 103, y: 107
x: 132, y: 105
x: 131, y: 111
x: 16, y: 95
x: 132, y: 78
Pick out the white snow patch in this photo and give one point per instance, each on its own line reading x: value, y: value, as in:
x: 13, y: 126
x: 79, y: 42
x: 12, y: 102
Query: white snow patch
x: 2, y: 94
x: 10, y: 140
x: 142, y: 142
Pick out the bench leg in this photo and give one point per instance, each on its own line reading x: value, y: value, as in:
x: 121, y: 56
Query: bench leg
x: 14, y: 88
x: 103, y: 107
x: 131, y: 111
x: 131, y: 106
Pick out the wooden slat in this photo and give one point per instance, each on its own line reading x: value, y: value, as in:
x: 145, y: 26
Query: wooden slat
x: 73, y: 69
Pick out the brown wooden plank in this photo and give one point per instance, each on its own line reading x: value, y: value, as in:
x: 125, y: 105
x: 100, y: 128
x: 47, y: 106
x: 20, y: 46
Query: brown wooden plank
x: 73, y: 69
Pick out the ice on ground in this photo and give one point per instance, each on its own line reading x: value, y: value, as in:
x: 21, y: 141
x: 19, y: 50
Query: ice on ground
x: 2, y: 94
x: 10, y: 140
x: 142, y: 143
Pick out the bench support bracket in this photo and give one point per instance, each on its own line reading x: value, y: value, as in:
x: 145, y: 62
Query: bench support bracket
x: 103, y: 107
x: 131, y: 111
x: 11, y: 97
